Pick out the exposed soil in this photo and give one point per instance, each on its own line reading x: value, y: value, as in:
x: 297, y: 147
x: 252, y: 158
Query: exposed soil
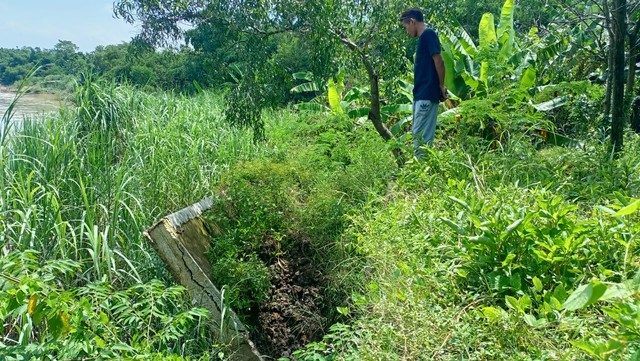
x: 291, y: 316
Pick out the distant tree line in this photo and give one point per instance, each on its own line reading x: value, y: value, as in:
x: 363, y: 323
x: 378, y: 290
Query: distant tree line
x: 204, y: 63
x: 136, y: 65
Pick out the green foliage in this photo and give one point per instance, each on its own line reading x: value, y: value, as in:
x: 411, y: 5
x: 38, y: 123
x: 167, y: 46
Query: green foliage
x: 578, y: 107
x: 168, y: 69
x: 82, y: 185
x: 542, y: 238
x: 259, y: 203
x: 487, y: 246
x: 294, y: 200
x: 500, y: 62
x: 493, y: 120
x: 622, y: 297
x: 43, y: 320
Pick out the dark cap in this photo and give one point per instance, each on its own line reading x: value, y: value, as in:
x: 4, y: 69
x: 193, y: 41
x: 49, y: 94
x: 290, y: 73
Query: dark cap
x: 413, y: 13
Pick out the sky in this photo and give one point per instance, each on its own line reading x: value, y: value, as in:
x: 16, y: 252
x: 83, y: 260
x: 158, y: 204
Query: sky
x: 42, y: 23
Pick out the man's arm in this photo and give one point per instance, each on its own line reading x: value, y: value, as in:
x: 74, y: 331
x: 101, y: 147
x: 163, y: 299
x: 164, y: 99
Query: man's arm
x: 439, y: 63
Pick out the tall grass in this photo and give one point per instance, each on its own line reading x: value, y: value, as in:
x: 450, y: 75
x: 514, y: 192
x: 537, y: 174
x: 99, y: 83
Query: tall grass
x: 84, y: 184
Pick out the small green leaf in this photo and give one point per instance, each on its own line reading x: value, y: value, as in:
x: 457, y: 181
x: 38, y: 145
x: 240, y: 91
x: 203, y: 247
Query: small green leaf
x: 343, y: 310
x: 525, y: 302
x: 560, y: 293
x: 507, y: 261
x: 557, y: 305
x: 621, y: 198
x: 454, y: 226
x: 512, y: 227
x: 104, y: 319
x: 530, y: 320
x: 515, y: 281
x: 492, y: 314
x: 631, y: 208
x: 460, y: 202
x: 537, y: 284
x: 585, y: 295
x: 123, y: 347
x: 513, y: 303
x: 99, y: 342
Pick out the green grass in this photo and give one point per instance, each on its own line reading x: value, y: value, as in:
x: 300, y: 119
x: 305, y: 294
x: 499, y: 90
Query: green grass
x: 443, y: 277
x: 83, y: 184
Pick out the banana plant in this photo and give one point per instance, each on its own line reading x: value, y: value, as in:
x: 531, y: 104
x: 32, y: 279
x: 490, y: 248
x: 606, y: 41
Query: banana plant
x: 354, y: 102
x: 333, y: 100
x: 498, y: 61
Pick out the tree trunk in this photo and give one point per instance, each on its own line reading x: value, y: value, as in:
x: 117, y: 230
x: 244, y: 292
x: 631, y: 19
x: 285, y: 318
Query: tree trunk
x: 633, y: 59
x: 607, y: 93
x: 634, y: 55
x: 635, y: 115
x: 619, y: 29
x: 374, y: 82
x: 374, y: 111
x: 606, y: 121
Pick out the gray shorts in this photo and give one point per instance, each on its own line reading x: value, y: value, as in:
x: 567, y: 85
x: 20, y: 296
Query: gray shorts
x: 425, y: 113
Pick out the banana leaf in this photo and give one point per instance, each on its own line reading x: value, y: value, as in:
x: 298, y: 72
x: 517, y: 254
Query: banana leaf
x: 396, y: 129
x: 551, y: 104
x: 305, y: 75
x: 397, y: 108
x: 334, y: 97
x: 528, y: 78
x: 487, y: 31
x: 358, y: 113
x: 305, y: 87
x: 506, y: 33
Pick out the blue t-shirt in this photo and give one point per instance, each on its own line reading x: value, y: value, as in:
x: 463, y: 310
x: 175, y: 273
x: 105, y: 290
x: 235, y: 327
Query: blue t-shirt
x: 426, y: 85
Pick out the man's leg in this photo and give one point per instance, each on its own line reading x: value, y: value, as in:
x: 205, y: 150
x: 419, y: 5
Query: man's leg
x: 423, y: 128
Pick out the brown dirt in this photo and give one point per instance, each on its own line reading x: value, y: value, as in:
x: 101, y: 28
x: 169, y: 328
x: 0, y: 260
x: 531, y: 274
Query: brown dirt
x: 291, y: 316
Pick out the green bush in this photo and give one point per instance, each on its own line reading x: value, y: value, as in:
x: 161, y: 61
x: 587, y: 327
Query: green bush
x: 493, y: 121
x: 43, y: 320
x: 258, y: 212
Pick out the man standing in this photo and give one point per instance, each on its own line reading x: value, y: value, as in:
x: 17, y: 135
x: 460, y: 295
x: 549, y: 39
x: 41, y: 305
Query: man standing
x: 428, y: 79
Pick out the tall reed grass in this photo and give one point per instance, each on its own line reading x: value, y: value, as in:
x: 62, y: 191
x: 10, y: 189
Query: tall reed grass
x: 84, y: 183
x: 80, y: 186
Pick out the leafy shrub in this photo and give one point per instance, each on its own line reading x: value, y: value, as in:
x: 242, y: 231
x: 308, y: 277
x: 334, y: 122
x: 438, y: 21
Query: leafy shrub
x: 582, y: 109
x: 493, y: 120
x: 44, y: 321
x: 257, y: 212
x: 508, y: 241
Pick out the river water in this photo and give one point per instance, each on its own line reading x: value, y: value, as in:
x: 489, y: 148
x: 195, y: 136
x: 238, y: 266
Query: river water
x: 31, y: 106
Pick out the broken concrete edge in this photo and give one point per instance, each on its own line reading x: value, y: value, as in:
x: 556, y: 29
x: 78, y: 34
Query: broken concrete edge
x: 186, y: 214
x: 168, y: 237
